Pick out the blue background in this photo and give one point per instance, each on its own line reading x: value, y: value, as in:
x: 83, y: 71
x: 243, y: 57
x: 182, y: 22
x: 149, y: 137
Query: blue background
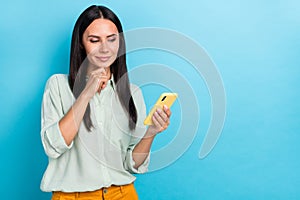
x: 255, y: 45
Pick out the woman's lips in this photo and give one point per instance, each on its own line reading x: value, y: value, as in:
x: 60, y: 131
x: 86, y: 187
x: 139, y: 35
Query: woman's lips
x: 103, y: 58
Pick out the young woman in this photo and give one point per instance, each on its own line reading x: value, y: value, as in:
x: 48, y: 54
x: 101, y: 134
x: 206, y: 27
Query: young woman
x: 92, y: 119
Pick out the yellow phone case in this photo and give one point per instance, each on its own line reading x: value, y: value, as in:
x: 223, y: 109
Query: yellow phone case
x: 164, y: 99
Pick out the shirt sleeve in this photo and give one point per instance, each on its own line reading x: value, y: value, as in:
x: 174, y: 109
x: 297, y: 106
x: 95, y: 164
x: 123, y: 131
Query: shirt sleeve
x: 52, y: 139
x: 137, y: 134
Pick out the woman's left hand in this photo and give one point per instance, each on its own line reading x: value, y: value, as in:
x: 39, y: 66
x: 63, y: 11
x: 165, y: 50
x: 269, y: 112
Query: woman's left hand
x: 161, y: 120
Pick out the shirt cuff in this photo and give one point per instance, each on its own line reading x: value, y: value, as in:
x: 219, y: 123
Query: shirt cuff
x: 141, y: 169
x: 56, y: 140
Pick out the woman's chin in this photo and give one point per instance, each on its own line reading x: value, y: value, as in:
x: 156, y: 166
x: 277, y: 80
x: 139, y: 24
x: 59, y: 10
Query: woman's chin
x: 102, y: 64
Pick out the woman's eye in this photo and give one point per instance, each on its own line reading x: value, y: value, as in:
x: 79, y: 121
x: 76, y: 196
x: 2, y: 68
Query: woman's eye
x: 94, y: 41
x: 112, y: 40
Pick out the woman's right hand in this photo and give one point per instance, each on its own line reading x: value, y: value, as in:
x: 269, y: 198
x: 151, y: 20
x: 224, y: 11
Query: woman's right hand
x: 70, y: 123
x: 97, y: 81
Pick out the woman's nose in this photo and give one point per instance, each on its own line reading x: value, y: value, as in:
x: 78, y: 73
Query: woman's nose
x: 103, y: 48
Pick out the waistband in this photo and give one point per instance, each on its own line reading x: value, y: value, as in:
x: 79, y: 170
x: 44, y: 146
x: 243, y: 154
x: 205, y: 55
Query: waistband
x: 96, y: 193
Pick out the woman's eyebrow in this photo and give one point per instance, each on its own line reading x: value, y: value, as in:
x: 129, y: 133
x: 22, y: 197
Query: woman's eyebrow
x: 96, y: 36
x: 114, y: 34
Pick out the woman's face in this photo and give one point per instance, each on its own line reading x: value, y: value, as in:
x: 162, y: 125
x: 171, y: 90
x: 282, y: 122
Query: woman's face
x: 101, y: 42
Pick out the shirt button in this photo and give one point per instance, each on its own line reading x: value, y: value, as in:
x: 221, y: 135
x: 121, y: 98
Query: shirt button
x: 104, y: 190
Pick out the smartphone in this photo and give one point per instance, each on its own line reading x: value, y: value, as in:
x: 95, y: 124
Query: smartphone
x: 164, y: 99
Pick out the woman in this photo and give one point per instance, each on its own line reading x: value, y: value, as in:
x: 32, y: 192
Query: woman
x: 92, y: 119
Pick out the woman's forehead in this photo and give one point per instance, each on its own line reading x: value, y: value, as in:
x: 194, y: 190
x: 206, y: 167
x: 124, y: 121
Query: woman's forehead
x: 102, y: 28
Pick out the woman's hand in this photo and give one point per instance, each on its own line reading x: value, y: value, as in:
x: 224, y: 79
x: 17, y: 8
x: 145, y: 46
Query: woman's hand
x: 161, y: 121
x: 70, y: 123
x: 97, y: 81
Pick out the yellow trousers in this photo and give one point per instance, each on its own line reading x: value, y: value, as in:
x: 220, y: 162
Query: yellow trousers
x: 124, y: 192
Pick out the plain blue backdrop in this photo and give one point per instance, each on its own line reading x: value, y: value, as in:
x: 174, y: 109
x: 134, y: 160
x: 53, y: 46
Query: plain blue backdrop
x: 255, y: 45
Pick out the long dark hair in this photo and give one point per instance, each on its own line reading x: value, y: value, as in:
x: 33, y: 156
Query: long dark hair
x: 118, y: 68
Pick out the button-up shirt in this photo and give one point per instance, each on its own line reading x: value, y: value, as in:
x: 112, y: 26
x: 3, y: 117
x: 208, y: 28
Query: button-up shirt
x: 96, y: 159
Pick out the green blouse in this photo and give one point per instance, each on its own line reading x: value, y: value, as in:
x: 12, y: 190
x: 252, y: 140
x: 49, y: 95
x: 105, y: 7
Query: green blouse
x: 96, y: 159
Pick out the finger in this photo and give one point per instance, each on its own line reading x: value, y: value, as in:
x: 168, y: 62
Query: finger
x: 99, y: 71
x: 97, y: 78
x: 156, y: 123
x: 97, y: 84
x: 159, y: 119
x: 162, y: 114
x: 167, y: 110
x: 104, y: 84
x: 100, y: 76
